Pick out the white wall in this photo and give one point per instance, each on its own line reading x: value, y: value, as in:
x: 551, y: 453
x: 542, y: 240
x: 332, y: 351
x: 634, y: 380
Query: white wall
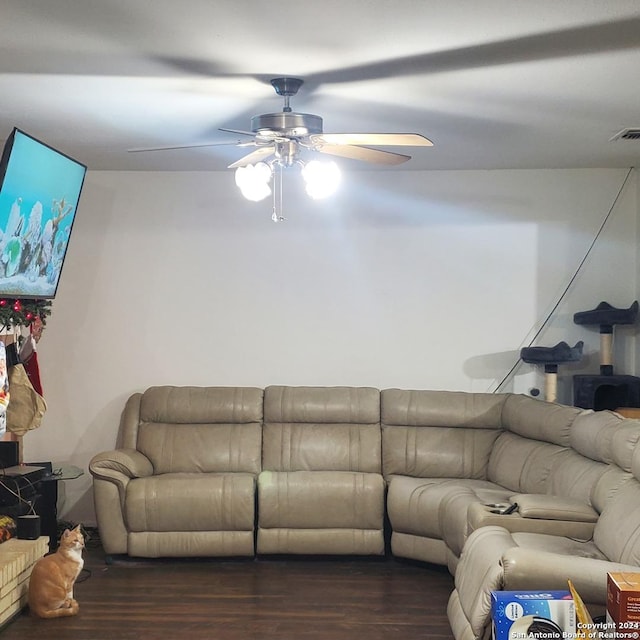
x: 407, y: 279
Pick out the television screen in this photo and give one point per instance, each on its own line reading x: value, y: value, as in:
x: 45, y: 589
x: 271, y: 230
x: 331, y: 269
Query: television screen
x: 38, y: 201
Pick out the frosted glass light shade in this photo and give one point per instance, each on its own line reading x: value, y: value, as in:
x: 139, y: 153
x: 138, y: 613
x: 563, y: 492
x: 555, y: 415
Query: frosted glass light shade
x: 253, y: 181
x: 322, y: 178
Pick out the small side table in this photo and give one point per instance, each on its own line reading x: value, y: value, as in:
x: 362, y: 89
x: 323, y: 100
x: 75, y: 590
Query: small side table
x: 49, y: 495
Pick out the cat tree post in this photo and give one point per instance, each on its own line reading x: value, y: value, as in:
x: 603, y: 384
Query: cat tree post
x: 606, y: 350
x: 551, y: 382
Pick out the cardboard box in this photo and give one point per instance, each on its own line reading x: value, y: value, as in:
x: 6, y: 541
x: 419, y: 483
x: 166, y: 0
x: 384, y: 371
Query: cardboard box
x: 623, y: 604
x: 518, y: 615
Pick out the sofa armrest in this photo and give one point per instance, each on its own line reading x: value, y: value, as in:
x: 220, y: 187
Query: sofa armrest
x: 120, y: 465
x: 532, y: 569
x: 549, y: 507
x: 112, y: 471
x: 479, y: 572
x: 481, y: 515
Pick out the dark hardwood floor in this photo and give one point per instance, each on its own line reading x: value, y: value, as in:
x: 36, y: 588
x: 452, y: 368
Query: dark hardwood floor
x: 280, y: 598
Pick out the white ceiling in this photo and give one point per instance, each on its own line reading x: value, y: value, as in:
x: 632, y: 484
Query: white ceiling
x: 494, y: 83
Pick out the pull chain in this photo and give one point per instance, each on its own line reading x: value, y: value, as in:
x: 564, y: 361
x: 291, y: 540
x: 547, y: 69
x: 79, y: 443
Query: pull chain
x: 277, y: 216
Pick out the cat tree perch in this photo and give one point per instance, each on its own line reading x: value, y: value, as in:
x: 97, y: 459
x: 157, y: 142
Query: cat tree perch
x: 607, y: 317
x: 551, y: 358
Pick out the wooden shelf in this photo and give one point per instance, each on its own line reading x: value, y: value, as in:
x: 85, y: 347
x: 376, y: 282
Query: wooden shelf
x: 629, y: 412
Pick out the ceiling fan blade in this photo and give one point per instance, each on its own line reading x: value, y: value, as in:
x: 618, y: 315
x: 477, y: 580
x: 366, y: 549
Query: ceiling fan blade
x: 259, y: 154
x: 363, y: 153
x: 237, y: 143
x: 579, y: 40
x: 377, y: 139
x: 244, y: 133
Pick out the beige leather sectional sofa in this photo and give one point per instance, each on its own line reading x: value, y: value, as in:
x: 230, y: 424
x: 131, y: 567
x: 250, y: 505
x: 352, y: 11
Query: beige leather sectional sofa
x: 232, y: 471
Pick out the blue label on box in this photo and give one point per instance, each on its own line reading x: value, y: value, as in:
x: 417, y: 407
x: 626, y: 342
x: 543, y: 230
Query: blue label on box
x: 544, y: 615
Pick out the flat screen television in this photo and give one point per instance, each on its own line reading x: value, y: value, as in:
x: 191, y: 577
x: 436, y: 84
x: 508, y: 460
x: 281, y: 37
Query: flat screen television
x: 39, y: 194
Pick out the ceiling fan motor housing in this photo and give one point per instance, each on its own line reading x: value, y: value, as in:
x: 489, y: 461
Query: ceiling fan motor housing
x: 286, y: 124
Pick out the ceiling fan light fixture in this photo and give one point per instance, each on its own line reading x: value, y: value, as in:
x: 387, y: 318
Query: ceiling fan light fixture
x: 253, y: 181
x: 322, y: 179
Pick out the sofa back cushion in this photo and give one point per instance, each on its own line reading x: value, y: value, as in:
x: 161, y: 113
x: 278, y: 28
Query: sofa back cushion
x: 200, y: 429
x: 539, y: 420
x: 534, y: 445
x: 522, y: 464
x: 625, y: 445
x: 439, y: 434
x: 424, y: 408
x: 437, y: 452
x: 322, y: 429
x: 575, y: 476
x: 592, y: 434
x: 617, y: 532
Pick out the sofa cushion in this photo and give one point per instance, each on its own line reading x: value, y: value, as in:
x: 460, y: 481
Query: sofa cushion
x: 574, y: 476
x: 207, y: 429
x: 420, y: 506
x: 216, y: 502
x: 175, y: 448
x: 322, y: 429
x: 624, y: 444
x: 322, y: 447
x: 201, y: 405
x: 522, y: 464
x: 417, y: 408
x: 592, y: 433
x: 617, y: 532
x: 354, y: 405
x: 437, y: 452
x: 608, y: 484
x: 321, y: 500
x: 539, y: 420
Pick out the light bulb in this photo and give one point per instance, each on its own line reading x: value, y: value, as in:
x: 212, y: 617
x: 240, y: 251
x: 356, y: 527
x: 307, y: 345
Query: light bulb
x: 321, y: 178
x: 262, y: 171
x: 253, y: 181
x: 256, y: 192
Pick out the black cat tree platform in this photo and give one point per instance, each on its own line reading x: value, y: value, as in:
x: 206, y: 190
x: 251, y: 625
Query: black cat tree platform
x: 551, y: 357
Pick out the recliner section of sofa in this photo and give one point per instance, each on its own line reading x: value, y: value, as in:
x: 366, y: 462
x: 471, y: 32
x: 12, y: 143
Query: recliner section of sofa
x: 321, y: 490
x: 436, y: 451
x: 182, y: 481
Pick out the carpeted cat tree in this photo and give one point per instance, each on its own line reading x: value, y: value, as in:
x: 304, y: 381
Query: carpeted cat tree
x: 607, y: 390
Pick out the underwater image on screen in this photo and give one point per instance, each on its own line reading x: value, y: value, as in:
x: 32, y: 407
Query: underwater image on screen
x: 38, y: 202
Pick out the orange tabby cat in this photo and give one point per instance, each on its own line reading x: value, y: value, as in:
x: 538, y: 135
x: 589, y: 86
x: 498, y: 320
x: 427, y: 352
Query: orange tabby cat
x: 53, y: 577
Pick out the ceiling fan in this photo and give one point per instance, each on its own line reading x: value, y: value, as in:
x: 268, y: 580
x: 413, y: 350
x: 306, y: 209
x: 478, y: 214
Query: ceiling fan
x: 280, y: 137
